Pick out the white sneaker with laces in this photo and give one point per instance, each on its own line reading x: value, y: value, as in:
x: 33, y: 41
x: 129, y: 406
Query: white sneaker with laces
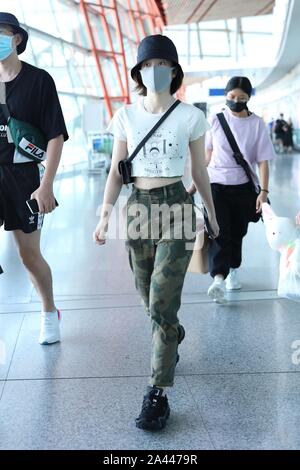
x: 232, y: 280
x: 50, y: 331
x: 217, y: 290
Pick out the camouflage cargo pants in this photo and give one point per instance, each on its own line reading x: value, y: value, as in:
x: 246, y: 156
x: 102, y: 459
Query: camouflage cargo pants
x: 161, y: 227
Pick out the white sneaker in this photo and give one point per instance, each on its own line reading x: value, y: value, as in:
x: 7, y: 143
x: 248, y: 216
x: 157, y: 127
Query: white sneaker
x: 232, y: 280
x: 217, y: 290
x: 50, y: 332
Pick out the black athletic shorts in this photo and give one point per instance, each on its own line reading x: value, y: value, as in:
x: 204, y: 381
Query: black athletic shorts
x: 17, y: 182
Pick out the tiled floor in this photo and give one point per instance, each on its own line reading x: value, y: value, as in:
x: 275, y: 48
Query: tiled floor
x: 238, y: 379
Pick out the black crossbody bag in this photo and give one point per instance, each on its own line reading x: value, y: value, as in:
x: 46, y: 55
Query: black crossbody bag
x: 240, y: 160
x: 125, y: 166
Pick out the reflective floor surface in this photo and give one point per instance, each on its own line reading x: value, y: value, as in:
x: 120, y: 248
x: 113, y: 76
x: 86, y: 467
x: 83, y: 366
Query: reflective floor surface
x: 238, y: 379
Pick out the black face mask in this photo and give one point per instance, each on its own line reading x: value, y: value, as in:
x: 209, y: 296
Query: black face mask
x: 236, y: 107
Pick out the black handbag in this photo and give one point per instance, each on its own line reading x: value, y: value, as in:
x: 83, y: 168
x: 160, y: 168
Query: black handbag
x: 240, y: 160
x: 124, y: 166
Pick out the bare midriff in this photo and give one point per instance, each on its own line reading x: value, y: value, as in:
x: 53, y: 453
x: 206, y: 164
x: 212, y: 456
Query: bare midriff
x: 142, y: 182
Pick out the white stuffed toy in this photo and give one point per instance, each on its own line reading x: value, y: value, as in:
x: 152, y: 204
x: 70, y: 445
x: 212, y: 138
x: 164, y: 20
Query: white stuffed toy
x: 283, y: 235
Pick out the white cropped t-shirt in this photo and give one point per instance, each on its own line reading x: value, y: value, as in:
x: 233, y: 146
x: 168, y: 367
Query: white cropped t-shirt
x: 164, y: 154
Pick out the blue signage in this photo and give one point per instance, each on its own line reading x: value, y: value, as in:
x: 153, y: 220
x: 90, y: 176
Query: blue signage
x: 221, y: 91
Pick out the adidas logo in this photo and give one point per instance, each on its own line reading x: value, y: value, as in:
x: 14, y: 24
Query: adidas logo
x: 31, y: 219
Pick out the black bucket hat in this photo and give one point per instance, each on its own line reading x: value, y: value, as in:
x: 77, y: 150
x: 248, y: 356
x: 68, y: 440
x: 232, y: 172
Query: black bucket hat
x: 8, y: 19
x: 243, y: 83
x: 156, y: 46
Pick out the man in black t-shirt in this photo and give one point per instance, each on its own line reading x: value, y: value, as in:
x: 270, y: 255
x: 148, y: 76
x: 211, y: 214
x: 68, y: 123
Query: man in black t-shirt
x: 31, y: 96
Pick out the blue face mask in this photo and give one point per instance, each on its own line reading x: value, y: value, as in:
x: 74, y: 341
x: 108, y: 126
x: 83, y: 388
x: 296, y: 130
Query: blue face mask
x: 6, y: 46
x: 157, y: 78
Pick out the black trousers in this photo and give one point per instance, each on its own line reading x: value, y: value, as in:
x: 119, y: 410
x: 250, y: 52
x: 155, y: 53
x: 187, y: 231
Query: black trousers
x: 232, y: 204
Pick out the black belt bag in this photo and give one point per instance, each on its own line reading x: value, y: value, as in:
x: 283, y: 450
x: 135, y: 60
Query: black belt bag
x: 124, y: 166
x: 240, y: 160
x: 28, y: 139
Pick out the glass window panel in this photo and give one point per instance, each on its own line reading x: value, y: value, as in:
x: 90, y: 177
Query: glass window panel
x: 39, y: 15
x: 254, y: 43
x: 214, y: 43
x: 109, y: 72
x: 221, y: 24
x: 16, y: 8
x: 99, y: 36
x: 258, y: 24
x: 70, y: 23
x: 74, y: 150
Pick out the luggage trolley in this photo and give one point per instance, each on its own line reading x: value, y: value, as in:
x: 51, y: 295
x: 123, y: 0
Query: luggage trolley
x: 100, y: 151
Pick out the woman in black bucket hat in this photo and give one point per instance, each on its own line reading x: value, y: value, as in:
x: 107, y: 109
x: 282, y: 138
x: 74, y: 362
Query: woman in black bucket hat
x: 150, y: 48
x: 158, y: 259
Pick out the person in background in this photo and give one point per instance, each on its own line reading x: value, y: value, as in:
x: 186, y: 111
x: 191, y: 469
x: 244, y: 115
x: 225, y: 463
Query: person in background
x: 231, y: 188
x: 279, y: 132
x: 288, y: 143
x: 271, y: 125
x: 298, y: 218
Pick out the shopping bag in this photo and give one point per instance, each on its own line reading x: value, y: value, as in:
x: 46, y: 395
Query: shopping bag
x: 199, y: 260
x: 283, y: 236
x: 289, y: 277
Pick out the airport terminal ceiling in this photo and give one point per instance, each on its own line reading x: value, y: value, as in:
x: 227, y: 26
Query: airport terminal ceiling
x: 193, y: 11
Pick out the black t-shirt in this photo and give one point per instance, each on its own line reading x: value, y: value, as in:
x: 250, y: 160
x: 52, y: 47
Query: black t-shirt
x: 31, y: 97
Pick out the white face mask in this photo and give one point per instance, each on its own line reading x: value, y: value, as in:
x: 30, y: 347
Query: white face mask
x: 157, y: 78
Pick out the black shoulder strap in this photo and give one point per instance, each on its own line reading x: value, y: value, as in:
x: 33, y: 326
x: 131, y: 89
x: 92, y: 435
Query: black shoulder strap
x: 237, y: 154
x: 5, y: 111
x: 227, y: 131
x: 147, y: 137
x: 3, y: 104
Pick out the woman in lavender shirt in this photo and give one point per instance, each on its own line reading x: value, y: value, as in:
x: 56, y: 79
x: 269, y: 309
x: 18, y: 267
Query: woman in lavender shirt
x: 230, y: 185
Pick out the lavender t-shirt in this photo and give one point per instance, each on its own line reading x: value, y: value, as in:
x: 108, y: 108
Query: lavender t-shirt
x: 253, y: 139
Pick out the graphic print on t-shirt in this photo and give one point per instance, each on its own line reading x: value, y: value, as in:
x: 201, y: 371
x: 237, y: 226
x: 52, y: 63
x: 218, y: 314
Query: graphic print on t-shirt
x: 3, y: 130
x: 165, y: 153
x: 158, y: 151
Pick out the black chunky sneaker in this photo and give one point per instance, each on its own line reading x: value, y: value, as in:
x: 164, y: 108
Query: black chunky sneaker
x: 181, y: 336
x: 155, y: 410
